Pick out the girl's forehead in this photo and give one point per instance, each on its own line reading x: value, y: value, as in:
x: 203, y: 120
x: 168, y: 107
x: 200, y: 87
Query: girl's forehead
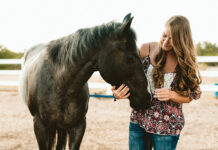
x: 167, y: 31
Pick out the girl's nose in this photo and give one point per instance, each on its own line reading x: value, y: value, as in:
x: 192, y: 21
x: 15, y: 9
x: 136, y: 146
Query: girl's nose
x: 167, y: 41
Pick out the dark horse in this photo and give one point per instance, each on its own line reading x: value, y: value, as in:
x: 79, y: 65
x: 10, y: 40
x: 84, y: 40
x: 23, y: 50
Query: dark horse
x: 54, y: 80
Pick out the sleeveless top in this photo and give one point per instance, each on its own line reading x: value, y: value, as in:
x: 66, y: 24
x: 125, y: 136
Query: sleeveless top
x: 163, y: 117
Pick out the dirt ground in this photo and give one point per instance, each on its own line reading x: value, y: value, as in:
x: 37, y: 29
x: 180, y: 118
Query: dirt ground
x: 108, y: 122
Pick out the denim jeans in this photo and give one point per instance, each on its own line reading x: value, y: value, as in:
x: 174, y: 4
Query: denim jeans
x: 139, y: 139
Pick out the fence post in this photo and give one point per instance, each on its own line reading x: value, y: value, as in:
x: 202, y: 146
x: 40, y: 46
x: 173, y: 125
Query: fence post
x: 216, y: 93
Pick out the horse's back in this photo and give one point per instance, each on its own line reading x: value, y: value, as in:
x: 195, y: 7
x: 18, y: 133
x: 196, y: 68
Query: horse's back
x: 33, y: 51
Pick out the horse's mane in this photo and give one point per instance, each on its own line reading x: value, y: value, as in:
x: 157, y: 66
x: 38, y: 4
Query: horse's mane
x: 83, y: 43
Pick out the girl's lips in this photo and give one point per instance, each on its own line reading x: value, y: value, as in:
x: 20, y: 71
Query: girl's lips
x: 167, y: 47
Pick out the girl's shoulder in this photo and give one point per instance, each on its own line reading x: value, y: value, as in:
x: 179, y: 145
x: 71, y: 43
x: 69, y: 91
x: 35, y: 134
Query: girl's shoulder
x: 147, y: 48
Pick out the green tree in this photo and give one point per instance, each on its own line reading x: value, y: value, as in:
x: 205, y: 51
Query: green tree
x: 7, y: 54
x: 207, y: 49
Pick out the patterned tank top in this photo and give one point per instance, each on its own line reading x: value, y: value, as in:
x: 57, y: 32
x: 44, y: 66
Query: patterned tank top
x: 163, y: 117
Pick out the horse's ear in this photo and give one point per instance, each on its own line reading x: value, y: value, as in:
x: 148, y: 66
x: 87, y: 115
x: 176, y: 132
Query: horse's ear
x: 126, y: 23
x: 127, y: 17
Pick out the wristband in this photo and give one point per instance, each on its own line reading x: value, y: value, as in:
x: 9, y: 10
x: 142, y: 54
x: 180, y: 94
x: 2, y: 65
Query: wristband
x: 114, y: 98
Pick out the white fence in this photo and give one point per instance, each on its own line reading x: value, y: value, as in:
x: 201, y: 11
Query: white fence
x: 207, y: 59
x: 10, y: 61
x: 200, y: 59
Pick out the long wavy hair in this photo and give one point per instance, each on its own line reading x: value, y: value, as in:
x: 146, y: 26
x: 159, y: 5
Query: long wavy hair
x: 187, y: 77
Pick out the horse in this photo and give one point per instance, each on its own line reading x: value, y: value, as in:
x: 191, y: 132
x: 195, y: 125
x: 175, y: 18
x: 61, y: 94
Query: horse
x: 54, y: 79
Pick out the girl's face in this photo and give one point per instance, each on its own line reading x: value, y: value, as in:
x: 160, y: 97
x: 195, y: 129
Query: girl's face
x: 166, y: 39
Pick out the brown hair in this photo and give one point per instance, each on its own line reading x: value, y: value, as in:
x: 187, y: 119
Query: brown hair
x: 187, y: 74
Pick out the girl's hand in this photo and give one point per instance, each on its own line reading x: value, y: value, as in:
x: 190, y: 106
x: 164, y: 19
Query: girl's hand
x: 121, y: 92
x: 163, y: 94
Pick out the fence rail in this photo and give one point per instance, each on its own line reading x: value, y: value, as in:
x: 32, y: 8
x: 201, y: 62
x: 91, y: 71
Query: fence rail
x: 10, y: 61
x: 107, y: 87
x: 200, y: 59
x: 18, y: 72
x: 207, y: 59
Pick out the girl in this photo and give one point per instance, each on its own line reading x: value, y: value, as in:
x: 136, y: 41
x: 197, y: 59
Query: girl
x: 172, y: 72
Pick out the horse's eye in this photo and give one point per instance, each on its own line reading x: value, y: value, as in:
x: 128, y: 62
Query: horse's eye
x: 130, y: 59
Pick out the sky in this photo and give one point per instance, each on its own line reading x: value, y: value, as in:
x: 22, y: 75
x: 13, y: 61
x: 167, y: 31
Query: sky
x: 25, y: 23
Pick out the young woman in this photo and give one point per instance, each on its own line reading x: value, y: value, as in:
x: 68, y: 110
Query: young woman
x: 172, y: 72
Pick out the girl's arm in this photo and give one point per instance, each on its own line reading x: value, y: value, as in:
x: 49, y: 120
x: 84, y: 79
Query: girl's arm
x: 166, y: 94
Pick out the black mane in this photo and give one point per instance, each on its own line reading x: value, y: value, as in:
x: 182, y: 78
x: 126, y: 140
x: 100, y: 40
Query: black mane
x: 84, y: 43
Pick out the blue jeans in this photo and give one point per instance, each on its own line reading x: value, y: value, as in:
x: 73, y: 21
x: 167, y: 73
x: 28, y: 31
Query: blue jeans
x: 139, y: 139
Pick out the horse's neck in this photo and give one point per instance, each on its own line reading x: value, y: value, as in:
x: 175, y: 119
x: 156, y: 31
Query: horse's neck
x: 84, y: 73
x: 85, y: 55
x: 71, y: 80
x: 78, y: 58
x: 81, y: 69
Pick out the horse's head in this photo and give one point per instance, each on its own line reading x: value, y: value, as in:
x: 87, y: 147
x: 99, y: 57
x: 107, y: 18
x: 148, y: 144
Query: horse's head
x: 119, y: 62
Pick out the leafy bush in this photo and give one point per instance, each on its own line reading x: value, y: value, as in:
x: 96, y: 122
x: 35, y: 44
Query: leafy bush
x: 7, y: 54
x: 207, y: 49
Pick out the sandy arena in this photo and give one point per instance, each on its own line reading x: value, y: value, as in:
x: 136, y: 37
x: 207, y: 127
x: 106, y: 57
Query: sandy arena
x: 107, y: 124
